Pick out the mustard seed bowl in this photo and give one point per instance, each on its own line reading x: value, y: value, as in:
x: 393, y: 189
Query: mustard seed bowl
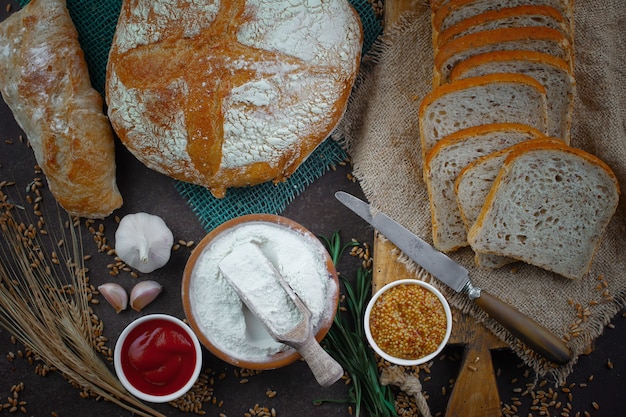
x: 408, y: 322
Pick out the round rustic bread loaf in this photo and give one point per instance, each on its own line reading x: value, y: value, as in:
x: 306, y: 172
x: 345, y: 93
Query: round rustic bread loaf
x: 230, y: 93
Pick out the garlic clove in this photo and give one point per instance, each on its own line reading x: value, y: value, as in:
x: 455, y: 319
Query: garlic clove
x: 115, y: 294
x: 143, y: 241
x: 144, y: 293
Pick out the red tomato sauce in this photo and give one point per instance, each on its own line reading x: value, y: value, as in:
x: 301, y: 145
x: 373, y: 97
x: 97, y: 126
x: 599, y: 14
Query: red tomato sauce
x: 158, y: 357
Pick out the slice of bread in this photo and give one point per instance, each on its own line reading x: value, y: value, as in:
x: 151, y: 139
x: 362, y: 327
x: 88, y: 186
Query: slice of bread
x: 519, y: 16
x: 444, y: 162
x: 455, y: 11
x: 539, y: 39
x: 549, y: 207
x: 553, y: 73
x: 493, y: 98
x: 471, y: 188
x: 437, y: 4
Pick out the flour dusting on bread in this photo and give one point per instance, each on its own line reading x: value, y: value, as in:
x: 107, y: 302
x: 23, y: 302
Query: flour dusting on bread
x: 45, y: 82
x: 228, y: 94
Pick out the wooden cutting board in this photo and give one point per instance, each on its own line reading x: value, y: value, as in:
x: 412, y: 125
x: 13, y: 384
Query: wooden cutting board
x: 475, y: 392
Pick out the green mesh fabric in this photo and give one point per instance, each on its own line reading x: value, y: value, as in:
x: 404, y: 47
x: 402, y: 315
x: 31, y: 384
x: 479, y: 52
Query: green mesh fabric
x: 263, y: 198
x: 95, y: 22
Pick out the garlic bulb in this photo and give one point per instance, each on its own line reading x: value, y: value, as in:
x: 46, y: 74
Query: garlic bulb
x: 143, y: 241
x: 144, y: 293
x: 115, y: 294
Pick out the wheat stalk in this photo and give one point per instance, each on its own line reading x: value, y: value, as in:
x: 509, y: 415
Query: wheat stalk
x: 46, y: 306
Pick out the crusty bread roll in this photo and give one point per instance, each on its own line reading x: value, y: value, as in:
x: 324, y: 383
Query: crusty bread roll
x: 231, y: 93
x: 45, y: 82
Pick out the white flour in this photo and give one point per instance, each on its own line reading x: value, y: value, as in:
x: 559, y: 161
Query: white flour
x: 219, y: 312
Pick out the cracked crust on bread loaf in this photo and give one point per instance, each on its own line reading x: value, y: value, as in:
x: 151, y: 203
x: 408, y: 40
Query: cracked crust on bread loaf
x: 231, y: 93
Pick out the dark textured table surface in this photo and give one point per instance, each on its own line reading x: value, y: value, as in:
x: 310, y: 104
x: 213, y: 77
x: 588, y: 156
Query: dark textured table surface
x: 595, y: 386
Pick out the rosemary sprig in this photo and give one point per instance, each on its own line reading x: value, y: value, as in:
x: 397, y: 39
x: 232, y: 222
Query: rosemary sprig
x: 346, y: 342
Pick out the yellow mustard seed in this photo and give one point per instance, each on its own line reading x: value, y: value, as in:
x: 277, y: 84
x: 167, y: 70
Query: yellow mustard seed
x: 408, y: 321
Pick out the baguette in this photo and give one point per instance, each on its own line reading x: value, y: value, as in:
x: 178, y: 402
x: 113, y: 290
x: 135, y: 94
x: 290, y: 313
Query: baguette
x: 548, y: 207
x: 493, y: 98
x: 444, y: 162
x: 471, y: 187
x: 553, y: 73
x: 539, y: 39
x: 45, y: 82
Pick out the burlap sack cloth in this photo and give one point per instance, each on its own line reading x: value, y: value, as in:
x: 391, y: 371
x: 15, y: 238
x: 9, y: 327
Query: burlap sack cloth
x: 381, y: 134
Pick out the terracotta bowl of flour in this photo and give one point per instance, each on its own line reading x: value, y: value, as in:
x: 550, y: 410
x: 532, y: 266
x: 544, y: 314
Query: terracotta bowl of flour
x: 215, y: 312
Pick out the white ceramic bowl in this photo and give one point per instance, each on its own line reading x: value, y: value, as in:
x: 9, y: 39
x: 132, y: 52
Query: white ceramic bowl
x: 401, y: 361
x: 184, y: 382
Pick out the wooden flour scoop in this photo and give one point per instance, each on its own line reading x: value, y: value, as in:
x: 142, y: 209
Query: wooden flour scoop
x: 270, y: 297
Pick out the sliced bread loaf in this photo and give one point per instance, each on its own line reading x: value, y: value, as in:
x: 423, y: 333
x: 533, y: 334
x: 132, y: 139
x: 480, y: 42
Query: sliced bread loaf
x: 492, y: 98
x: 455, y: 11
x: 444, y: 162
x: 553, y: 73
x: 539, y: 39
x: 471, y: 188
x: 549, y: 207
x: 519, y: 16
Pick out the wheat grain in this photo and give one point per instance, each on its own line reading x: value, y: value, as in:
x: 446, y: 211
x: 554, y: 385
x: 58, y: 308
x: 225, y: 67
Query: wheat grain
x: 47, y: 308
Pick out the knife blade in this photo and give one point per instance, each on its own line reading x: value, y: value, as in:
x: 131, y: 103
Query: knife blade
x: 445, y: 269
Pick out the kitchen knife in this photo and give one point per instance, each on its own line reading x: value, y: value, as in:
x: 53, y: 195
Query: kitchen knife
x: 533, y: 334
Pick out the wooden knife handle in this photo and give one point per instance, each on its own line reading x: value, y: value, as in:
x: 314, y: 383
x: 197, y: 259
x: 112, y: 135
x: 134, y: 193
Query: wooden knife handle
x: 533, y: 334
